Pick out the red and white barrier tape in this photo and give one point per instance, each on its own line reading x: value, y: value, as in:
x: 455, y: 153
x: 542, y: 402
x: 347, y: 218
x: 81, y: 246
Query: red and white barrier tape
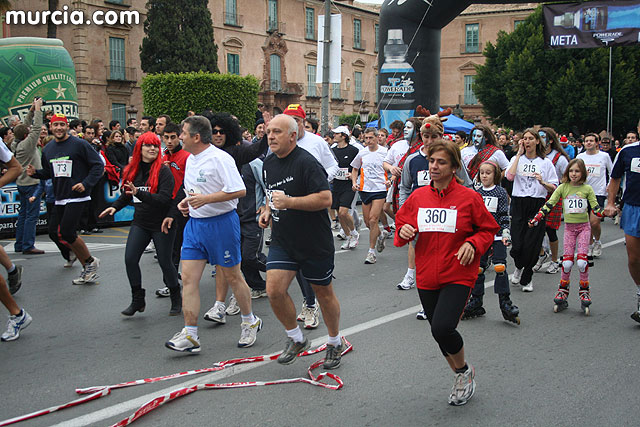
x: 99, y: 391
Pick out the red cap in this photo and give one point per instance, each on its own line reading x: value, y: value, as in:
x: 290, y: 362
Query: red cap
x: 59, y: 118
x: 295, y: 110
x: 563, y: 138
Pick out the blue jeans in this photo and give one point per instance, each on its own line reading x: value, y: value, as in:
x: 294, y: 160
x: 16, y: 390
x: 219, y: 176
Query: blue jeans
x: 27, y: 219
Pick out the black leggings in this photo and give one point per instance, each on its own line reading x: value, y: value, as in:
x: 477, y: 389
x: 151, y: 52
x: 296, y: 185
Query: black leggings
x: 52, y: 222
x: 137, y: 241
x: 526, y: 242
x: 444, y: 308
x: 66, y: 220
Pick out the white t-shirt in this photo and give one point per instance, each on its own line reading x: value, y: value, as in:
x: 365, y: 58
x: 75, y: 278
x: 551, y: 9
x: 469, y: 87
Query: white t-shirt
x: 525, y: 184
x: 319, y: 149
x: 372, y: 175
x: 5, y: 153
x: 211, y: 171
x: 468, y: 153
x: 561, y: 164
x: 396, y: 152
x: 599, y: 166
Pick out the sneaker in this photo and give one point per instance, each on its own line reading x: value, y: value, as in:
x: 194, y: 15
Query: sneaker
x: 182, y: 341
x: 312, y: 320
x: 554, y: 268
x: 288, y: 356
x: 72, y: 259
x: 353, y: 240
x: 392, y: 233
x: 233, y: 308
x: 163, y: 292
x: 597, y: 249
x: 89, y: 273
x: 15, y: 324
x: 517, y: 275
x: 463, y: 387
x: 150, y: 248
x: 370, y: 259
x: 304, y: 313
x: 335, y: 225
x: 341, y: 235
x: 213, y: 272
x: 333, y: 356
x: 381, y: 240
x: 635, y: 315
x: 421, y: 315
x: 249, y: 332
x: 258, y: 293
x: 528, y: 288
x: 542, y: 260
x: 15, y: 280
x: 346, y: 244
x: 216, y: 314
x: 407, y: 283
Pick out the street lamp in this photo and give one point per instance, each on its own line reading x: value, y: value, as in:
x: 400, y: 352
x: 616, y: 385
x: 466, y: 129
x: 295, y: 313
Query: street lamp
x: 364, y: 116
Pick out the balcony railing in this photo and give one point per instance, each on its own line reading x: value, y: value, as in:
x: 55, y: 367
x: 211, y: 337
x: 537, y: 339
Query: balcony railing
x: 275, y: 27
x: 360, y: 44
x: 363, y: 97
x: 470, y: 48
x: 233, y: 19
x: 338, y: 94
x: 124, y: 74
x: 313, y: 91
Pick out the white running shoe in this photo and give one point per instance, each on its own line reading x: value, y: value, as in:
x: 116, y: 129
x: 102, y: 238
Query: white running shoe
x: 258, y: 293
x: 233, y: 308
x: 517, y: 275
x: 216, y: 314
x: 542, y: 260
x: 421, y: 315
x: 597, y: 249
x: 182, y: 341
x: 249, y: 332
x: 353, y: 242
x: 370, y: 259
x: 346, y: 244
x: 312, y: 319
x: 89, y: 273
x: 407, y: 283
x: 72, y: 259
x: 381, y: 240
x: 150, y: 248
x: 463, y: 387
x: 302, y: 316
x: 554, y: 268
x: 528, y: 288
x: 341, y: 235
x: 15, y: 324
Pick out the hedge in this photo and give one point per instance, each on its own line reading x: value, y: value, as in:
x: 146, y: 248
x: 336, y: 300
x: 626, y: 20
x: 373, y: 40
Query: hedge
x: 176, y: 94
x: 354, y: 119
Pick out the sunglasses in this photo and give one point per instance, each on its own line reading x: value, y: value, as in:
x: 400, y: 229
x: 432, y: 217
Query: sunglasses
x: 217, y: 131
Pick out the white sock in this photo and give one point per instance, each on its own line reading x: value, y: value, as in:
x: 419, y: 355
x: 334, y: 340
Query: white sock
x: 248, y: 318
x: 192, y: 330
x: 295, y: 334
x: 372, y: 251
x: 12, y: 269
x: 335, y: 341
x: 354, y: 232
x: 411, y: 272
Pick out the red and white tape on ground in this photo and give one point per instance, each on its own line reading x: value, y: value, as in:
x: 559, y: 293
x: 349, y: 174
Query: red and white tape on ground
x: 96, y: 392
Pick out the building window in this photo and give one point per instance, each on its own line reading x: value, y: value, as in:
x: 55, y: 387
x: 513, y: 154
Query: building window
x: 116, y: 58
x: 119, y: 113
x: 335, y: 91
x: 233, y: 63
x: 231, y: 13
x: 312, y: 90
x: 472, y: 39
x: 469, y: 96
x: 357, y: 82
x: 310, y: 23
x: 376, y: 30
x: 272, y: 19
x: 357, y: 34
x: 276, y: 75
x: 517, y: 23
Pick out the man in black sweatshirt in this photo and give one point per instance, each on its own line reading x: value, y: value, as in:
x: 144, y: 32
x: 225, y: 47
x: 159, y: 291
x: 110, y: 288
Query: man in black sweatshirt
x: 75, y: 168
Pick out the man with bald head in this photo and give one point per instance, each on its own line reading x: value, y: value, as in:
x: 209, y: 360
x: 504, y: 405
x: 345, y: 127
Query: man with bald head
x: 298, y: 197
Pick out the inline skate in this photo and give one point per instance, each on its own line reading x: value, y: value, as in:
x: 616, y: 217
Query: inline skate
x: 474, y: 308
x: 585, y: 297
x: 510, y: 311
x: 561, y: 297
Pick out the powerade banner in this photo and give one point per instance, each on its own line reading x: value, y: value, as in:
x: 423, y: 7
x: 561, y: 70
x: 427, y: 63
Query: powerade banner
x: 10, y: 206
x: 592, y: 24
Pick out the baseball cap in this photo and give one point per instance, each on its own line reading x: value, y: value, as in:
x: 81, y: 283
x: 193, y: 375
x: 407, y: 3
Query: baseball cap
x: 59, y: 118
x: 295, y: 110
x: 342, y: 129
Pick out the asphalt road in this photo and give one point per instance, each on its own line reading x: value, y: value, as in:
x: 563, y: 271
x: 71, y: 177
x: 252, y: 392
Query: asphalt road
x: 561, y: 369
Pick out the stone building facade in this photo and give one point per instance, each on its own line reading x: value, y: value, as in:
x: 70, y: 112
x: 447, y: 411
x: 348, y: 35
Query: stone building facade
x: 274, y: 40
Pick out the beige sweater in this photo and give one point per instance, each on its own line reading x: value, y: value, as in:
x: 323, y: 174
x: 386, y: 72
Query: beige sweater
x: 26, y: 151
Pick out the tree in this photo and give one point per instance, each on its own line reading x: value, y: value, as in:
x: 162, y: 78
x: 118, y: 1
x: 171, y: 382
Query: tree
x: 178, y: 38
x: 522, y: 84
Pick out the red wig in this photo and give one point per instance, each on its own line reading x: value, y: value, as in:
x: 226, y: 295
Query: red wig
x: 130, y: 172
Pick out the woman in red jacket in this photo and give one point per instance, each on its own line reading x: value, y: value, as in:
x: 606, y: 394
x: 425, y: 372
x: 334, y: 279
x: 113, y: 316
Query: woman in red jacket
x: 453, y: 229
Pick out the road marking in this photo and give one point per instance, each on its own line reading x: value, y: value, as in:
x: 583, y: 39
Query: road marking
x: 133, y: 404
x: 18, y: 259
x: 122, y: 230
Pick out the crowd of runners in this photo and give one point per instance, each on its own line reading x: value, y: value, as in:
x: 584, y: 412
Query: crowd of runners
x: 205, y: 190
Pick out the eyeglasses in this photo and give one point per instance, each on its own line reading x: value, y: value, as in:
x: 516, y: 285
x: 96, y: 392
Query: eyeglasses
x: 217, y: 131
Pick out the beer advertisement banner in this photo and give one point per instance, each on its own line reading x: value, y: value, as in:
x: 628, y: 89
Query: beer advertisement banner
x: 592, y: 24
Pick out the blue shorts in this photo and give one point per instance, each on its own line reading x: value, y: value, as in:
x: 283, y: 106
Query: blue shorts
x: 367, y: 196
x: 630, y: 221
x: 215, y: 239
x: 316, y: 271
